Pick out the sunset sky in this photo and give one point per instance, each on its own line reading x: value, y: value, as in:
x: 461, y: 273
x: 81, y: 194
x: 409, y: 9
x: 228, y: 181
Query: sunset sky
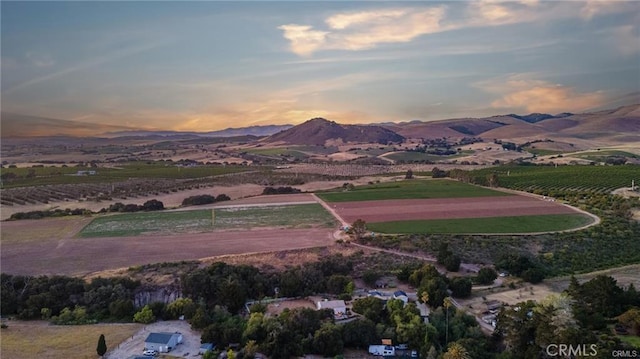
x: 199, y: 66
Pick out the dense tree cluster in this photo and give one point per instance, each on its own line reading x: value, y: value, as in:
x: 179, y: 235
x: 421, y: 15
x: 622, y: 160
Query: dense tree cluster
x: 280, y: 190
x: 66, y: 300
x: 49, y: 213
x: 150, y: 205
x: 447, y: 258
x: 204, y: 199
x: 577, y: 317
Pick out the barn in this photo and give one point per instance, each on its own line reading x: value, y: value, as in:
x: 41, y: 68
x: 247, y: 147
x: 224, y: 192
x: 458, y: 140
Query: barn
x: 162, y: 342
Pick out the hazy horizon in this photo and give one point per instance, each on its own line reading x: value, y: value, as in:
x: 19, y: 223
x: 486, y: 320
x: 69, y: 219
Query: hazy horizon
x: 206, y: 66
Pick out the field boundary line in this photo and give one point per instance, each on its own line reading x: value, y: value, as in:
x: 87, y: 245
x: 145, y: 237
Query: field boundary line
x: 331, y: 210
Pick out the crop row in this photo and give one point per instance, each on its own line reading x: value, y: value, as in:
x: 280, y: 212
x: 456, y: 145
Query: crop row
x: 600, y: 179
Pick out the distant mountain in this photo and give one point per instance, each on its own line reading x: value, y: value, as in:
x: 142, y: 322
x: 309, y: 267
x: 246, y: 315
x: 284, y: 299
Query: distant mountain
x: 318, y: 131
x: 616, y: 125
x: 16, y: 125
x: 258, y: 131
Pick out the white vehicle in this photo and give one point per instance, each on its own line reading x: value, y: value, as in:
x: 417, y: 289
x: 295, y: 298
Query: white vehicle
x: 150, y: 352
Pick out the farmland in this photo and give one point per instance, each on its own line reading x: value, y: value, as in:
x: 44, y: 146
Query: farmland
x: 291, y: 216
x: 546, y: 179
x: 37, y: 176
x: 241, y: 217
x: 132, y: 224
x: 511, y: 224
x: 415, y: 189
x: 23, y: 340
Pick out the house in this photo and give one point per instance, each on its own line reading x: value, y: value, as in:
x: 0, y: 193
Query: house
x: 206, y: 347
x: 162, y: 342
x: 339, y: 307
x: 401, y: 296
x: 493, y: 305
x: 425, y: 311
x: 378, y: 294
x: 383, y: 350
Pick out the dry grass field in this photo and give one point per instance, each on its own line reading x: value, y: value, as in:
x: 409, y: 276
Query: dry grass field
x: 27, y: 340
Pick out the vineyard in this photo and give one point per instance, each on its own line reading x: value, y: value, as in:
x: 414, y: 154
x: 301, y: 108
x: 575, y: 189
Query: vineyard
x: 124, y: 188
x: 548, y: 179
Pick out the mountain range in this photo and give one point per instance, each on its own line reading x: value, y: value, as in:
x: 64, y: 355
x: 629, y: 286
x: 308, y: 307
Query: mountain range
x: 620, y: 125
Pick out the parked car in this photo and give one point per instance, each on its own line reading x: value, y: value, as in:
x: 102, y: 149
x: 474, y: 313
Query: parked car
x: 150, y: 353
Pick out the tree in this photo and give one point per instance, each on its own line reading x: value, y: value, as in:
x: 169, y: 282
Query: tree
x: 409, y: 174
x: 102, y: 345
x: 460, y: 287
x: 358, y: 229
x: 486, y: 275
x: 328, y: 340
x: 447, y: 303
x: 456, y: 351
x: 144, y: 316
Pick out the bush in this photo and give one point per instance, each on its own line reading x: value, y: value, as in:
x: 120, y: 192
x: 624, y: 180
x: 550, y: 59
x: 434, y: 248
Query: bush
x: 486, y: 276
x: 280, y: 190
x: 198, y: 200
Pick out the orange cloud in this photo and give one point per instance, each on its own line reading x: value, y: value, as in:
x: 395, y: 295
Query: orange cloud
x: 521, y: 92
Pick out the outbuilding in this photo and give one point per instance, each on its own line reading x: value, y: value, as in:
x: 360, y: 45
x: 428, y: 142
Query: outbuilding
x: 162, y: 342
x: 206, y: 347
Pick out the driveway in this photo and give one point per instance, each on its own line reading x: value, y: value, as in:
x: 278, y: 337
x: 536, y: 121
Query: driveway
x: 135, y: 345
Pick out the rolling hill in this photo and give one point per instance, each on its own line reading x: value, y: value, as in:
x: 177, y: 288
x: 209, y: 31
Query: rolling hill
x: 318, y: 131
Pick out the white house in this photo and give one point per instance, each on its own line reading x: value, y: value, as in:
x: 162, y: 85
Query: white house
x: 162, y: 342
x: 401, y: 295
x: 339, y: 307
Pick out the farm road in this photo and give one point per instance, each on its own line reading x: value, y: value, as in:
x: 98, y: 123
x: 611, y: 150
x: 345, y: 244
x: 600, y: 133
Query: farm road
x: 81, y: 256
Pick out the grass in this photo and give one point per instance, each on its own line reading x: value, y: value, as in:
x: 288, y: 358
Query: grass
x: 291, y: 216
x: 26, y: 340
x: 412, y: 189
x: 279, y: 151
x: 515, y: 224
x: 132, y: 224
x: 541, y: 151
x: 631, y: 340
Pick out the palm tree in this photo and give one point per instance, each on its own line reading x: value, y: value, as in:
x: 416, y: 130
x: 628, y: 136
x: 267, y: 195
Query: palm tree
x: 456, y: 351
x: 447, y: 304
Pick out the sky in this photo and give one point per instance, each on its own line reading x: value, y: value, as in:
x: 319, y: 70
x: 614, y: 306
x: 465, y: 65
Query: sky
x: 210, y: 65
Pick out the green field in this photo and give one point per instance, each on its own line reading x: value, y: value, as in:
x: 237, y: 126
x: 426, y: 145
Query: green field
x: 574, y: 178
x: 133, y: 224
x: 516, y: 224
x: 66, y: 175
x: 291, y: 216
x: 279, y: 152
x: 412, y: 189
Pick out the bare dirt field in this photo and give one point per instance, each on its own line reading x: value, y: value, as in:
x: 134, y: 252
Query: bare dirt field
x: 444, y: 208
x: 80, y: 256
x: 277, y: 308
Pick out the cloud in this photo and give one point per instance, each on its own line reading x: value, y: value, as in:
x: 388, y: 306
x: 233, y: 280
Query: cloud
x: 39, y: 59
x: 116, y: 55
x: 625, y: 39
x: 304, y: 40
x: 593, y: 8
x: 521, y: 92
x: 364, y: 30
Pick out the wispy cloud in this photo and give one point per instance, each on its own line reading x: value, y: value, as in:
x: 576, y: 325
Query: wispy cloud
x: 116, y: 55
x: 364, y: 30
x: 523, y: 92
